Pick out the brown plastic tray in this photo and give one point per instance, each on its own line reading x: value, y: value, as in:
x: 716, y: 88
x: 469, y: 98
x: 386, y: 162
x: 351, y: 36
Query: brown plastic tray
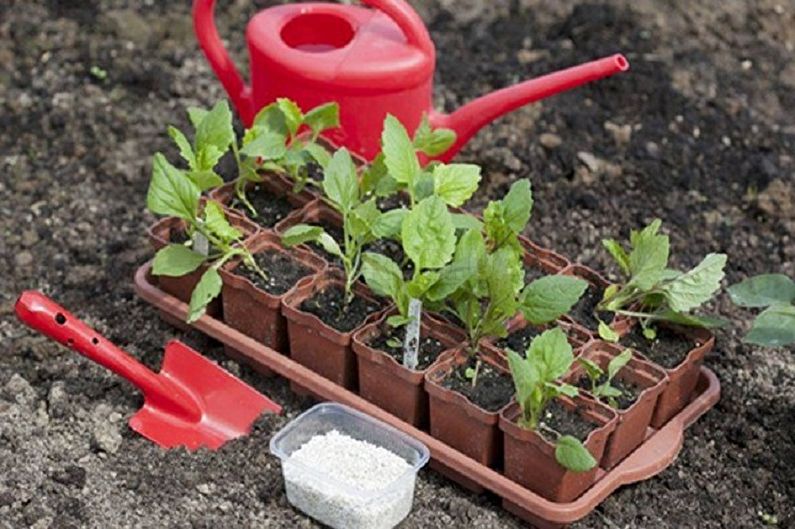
x: 658, y: 451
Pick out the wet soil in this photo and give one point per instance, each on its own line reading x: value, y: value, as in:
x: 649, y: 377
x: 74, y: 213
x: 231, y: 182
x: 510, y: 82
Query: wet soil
x: 519, y: 341
x: 629, y: 391
x: 493, y: 390
x: 668, y: 349
x: 583, y: 311
x: 565, y: 421
x: 700, y: 132
x: 270, y: 208
x: 329, y: 305
x: 390, y: 341
x: 283, y: 272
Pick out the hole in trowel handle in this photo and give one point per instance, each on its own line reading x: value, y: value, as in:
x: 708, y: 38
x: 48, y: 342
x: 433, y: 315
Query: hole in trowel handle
x: 60, y: 319
x: 317, y: 32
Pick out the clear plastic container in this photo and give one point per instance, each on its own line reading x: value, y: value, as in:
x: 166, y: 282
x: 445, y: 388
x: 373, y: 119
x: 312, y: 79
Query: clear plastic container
x: 336, y: 503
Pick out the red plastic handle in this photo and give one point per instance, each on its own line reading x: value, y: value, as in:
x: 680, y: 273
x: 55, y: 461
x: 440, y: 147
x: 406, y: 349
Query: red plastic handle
x: 39, y: 312
x: 210, y: 41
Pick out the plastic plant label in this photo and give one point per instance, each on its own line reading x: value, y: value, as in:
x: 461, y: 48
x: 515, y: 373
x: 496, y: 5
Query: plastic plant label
x: 411, y: 344
x: 200, y: 244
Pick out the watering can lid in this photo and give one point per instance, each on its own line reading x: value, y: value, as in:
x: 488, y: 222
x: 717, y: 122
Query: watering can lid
x: 377, y: 55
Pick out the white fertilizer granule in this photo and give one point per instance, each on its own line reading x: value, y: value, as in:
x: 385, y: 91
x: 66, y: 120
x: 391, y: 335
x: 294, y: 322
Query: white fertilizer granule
x: 365, y: 493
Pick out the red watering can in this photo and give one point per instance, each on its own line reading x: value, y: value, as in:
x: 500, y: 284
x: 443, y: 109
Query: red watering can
x: 371, y: 61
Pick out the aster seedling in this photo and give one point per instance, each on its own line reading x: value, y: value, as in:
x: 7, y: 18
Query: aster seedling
x: 601, y: 380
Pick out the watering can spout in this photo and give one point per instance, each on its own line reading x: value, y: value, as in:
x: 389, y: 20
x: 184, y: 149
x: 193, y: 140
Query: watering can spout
x: 473, y: 116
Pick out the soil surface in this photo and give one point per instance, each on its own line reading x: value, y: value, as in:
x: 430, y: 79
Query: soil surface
x: 329, y: 305
x: 700, y: 132
x: 270, y: 208
x: 282, y: 270
x: 583, y: 312
x: 668, y: 349
x: 493, y: 390
x: 390, y: 341
x: 565, y: 421
x: 519, y: 341
x: 629, y: 391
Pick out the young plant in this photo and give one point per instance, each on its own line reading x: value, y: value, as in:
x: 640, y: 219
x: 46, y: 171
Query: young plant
x: 652, y: 292
x: 536, y: 379
x: 601, y: 381
x: 172, y: 192
x: 775, y: 325
x: 362, y: 222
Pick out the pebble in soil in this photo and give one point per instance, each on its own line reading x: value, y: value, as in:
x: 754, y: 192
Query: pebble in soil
x: 390, y: 341
x: 668, y: 349
x: 270, y: 208
x: 282, y: 270
x: 629, y: 391
x: 328, y: 305
x: 493, y: 390
x: 565, y: 421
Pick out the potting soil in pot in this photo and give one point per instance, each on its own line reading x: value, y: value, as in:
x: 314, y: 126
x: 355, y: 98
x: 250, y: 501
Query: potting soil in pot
x: 492, y: 392
x: 283, y: 272
x: 270, y: 208
x: 391, y: 339
x: 668, y: 349
x: 372, y: 487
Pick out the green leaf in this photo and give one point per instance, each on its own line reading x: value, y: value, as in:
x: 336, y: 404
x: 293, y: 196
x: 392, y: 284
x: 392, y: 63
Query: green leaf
x: 518, y: 205
x: 206, y: 290
x: 649, y: 255
x: 551, y: 353
x: 566, y: 389
x: 774, y: 327
x: 176, y: 260
x: 323, y: 117
x: 339, y: 183
x: 550, y: 297
x: 384, y: 277
x: 171, y: 192
x: 205, y: 179
x: 267, y: 145
x: 399, y: 155
x: 216, y: 128
x: 620, y: 255
x: 763, y: 290
x: 592, y: 369
x: 433, y: 142
x: 300, y: 234
x: 471, y: 249
x: 272, y: 118
x: 421, y: 283
x: 318, y: 153
x: 215, y: 221
x: 694, y: 288
x: 607, y: 333
x: 196, y: 115
x: 691, y: 320
x: 362, y: 219
x: 465, y: 221
x: 373, y: 174
x: 293, y: 117
x: 618, y: 362
x: 428, y: 234
x: 185, y: 149
x: 525, y: 378
x: 572, y: 454
x: 456, y: 183
x: 397, y: 320
x: 388, y: 225
x: 504, y: 278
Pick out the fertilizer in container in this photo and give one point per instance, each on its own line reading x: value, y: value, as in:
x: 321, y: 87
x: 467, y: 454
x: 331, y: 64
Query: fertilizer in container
x: 348, y: 470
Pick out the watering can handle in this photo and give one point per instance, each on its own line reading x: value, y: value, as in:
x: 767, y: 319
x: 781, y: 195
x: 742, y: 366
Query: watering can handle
x: 39, y: 312
x: 207, y: 34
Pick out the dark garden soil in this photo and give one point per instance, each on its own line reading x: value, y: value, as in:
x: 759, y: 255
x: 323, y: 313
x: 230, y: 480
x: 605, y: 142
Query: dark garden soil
x: 629, y: 391
x: 270, y: 208
x: 329, y: 306
x: 531, y: 273
x: 583, y: 311
x: 668, y: 348
x: 519, y: 341
x: 283, y: 272
x: 493, y: 390
x: 388, y: 340
x: 700, y: 132
x: 564, y: 421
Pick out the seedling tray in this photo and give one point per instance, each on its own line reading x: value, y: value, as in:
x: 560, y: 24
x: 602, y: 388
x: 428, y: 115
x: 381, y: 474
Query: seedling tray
x: 657, y: 452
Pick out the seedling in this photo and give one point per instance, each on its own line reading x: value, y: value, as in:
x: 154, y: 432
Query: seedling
x: 362, y: 222
x: 536, y: 378
x: 601, y: 381
x: 775, y: 325
x: 652, y: 292
x: 172, y: 192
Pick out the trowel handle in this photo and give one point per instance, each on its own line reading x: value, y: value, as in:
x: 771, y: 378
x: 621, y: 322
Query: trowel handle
x: 39, y: 312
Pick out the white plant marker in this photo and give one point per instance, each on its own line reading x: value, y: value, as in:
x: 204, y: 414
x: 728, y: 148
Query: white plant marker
x: 411, y: 344
x: 200, y: 244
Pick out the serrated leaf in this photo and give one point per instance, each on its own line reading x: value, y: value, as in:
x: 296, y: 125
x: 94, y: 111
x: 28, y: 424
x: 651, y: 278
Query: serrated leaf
x: 465, y: 221
x: 215, y: 221
x: 552, y: 354
x: 763, y: 290
x: 206, y: 290
x: 171, y: 192
x: 215, y: 128
x: 176, y: 260
x: 694, y: 288
x: 361, y: 220
x: 389, y: 224
x: 323, y: 117
x: 293, y: 117
x: 421, y: 283
x: 428, y: 234
x: 525, y: 378
x: 319, y: 154
x: 399, y: 155
x: 385, y: 278
x: 267, y: 145
x: 184, y: 146
x: 339, y: 183
x: 619, y: 255
x: 455, y: 183
x: 196, y: 115
x: 550, y: 297
x: 205, y: 180
x: 505, y: 278
x: 433, y: 142
x: 649, y: 255
x: 470, y: 250
x: 518, y: 205
x: 272, y: 118
x: 572, y: 454
x: 618, y: 362
x: 774, y: 327
x: 373, y: 174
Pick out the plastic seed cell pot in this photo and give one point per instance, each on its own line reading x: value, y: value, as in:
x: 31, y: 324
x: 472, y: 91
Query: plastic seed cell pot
x: 530, y: 458
x: 272, y: 184
x: 166, y: 231
x: 544, y: 258
x: 333, y: 500
x: 254, y: 311
x: 456, y: 420
x: 634, y: 420
x: 384, y: 381
x: 316, y: 345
